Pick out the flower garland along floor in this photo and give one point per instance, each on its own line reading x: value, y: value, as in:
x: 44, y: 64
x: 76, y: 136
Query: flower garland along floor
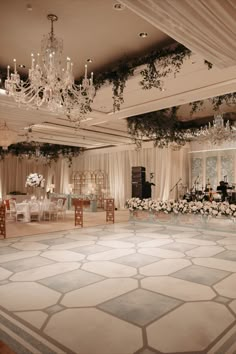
x: 206, y: 214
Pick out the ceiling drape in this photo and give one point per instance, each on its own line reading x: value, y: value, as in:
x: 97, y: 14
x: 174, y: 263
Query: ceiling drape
x: 207, y: 27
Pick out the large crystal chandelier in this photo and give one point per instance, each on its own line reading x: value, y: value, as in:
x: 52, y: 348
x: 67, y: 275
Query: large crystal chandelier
x: 49, y: 84
x: 217, y: 132
x: 7, y: 136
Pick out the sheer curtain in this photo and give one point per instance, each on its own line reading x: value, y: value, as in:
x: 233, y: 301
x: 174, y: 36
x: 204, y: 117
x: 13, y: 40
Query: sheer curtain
x: 14, y: 171
x: 166, y: 165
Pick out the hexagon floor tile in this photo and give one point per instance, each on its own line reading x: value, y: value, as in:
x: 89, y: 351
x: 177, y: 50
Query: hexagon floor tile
x: 201, y: 323
x: 93, y: 331
x: 140, y: 306
x: 130, y: 288
x: 27, y: 296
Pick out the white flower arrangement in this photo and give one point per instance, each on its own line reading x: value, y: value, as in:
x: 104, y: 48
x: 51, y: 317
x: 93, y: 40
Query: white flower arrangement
x: 211, y: 209
x: 35, y: 180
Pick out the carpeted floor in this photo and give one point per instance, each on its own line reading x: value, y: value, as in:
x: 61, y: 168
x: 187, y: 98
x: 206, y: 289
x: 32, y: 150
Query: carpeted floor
x: 122, y: 288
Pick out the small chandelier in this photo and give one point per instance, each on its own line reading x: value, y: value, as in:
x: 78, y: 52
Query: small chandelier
x: 49, y: 85
x: 7, y: 136
x: 217, y: 132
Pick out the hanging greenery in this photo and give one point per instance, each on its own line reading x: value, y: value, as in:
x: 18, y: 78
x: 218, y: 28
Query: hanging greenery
x: 217, y: 101
x: 43, y: 152
x: 162, y: 63
x: 162, y: 127
x: 159, y: 64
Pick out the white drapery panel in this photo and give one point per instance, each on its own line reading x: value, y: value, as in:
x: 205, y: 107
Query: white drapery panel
x: 207, y: 27
x: 14, y: 170
x: 167, y: 165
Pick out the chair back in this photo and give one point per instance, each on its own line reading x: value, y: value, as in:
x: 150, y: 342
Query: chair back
x: 60, y: 203
x: 34, y: 206
x: 12, y: 204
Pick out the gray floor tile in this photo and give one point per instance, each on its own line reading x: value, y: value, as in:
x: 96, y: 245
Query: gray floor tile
x: 4, y: 282
x: 27, y: 263
x: 56, y: 241
x: 227, y: 255
x: 209, y: 237
x: 136, y: 239
x: 222, y: 299
x: 54, y: 309
x: 137, y: 260
x: 71, y: 280
x: 146, y: 351
x: 201, y: 275
x: 134, y: 227
x: 90, y: 249
x: 138, y: 276
x: 182, y: 247
x: 140, y: 306
x: 166, y: 232
x: 7, y: 250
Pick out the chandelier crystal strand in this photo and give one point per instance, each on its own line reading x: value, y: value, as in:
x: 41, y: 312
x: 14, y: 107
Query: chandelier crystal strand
x: 217, y: 132
x: 7, y: 136
x: 51, y: 86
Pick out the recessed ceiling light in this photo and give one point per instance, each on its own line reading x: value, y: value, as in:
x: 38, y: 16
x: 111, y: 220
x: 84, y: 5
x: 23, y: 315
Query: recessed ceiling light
x: 143, y: 34
x: 89, y: 60
x: 29, y: 7
x: 117, y: 6
x: 163, y: 89
x: 21, y: 66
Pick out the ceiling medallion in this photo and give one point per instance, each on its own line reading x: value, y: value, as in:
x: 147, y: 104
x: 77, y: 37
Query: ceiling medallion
x: 51, y: 86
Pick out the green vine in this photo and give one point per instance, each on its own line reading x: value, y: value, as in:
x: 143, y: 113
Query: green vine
x: 161, y: 127
x: 43, y: 152
x: 217, y: 101
x: 160, y: 63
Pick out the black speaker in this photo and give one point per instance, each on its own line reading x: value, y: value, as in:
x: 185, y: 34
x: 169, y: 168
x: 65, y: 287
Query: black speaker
x: 138, y: 181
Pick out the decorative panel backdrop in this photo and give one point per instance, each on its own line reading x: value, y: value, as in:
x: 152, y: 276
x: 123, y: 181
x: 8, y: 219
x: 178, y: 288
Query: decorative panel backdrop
x: 214, y: 166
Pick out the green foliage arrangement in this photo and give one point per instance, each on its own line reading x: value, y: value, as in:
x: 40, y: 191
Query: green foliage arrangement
x: 44, y: 152
x: 217, y: 101
x: 162, y: 127
x: 159, y: 64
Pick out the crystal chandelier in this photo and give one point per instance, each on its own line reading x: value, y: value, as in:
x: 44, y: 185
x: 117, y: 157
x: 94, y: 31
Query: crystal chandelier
x: 51, y: 86
x: 217, y: 132
x: 7, y: 136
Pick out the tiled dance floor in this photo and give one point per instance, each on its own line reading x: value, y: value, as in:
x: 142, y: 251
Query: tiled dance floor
x: 119, y: 289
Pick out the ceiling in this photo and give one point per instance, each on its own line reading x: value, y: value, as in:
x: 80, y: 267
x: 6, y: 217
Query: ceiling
x: 93, y: 29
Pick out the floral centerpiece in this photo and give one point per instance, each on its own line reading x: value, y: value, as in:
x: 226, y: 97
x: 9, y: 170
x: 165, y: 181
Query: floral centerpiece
x: 35, y: 180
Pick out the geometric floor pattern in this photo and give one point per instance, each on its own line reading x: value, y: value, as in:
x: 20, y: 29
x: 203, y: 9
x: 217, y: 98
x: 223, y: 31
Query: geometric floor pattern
x: 127, y: 288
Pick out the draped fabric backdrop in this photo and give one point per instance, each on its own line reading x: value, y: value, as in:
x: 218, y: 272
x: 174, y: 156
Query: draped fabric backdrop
x: 207, y: 27
x: 166, y: 165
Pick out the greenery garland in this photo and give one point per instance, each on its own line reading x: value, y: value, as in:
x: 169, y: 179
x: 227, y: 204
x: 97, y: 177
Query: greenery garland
x: 217, y: 101
x: 37, y: 151
x: 160, y: 63
x: 162, y: 127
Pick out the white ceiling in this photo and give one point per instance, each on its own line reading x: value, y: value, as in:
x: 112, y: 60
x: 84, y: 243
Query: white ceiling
x: 93, y: 29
